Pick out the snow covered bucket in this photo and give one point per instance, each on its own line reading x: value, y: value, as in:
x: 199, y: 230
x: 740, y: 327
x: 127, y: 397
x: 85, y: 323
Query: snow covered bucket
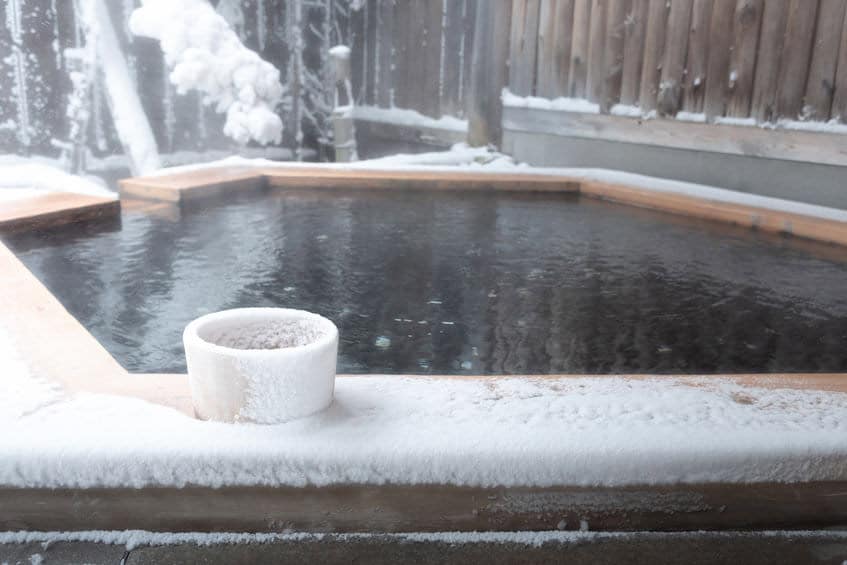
x: 262, y: 365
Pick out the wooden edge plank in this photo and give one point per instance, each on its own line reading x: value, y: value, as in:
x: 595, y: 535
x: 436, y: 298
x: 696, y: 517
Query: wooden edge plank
x: 55, y: 209
x: 767, y: 220
x: 429, y: 508
x: 74, y: 359
x: 180, y: 186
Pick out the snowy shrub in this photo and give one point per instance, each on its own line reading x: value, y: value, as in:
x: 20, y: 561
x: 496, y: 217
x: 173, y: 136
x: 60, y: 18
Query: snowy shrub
x: 205, y: 54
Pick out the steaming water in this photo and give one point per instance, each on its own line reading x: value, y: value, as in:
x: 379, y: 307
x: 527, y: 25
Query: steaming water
x: 458, y: 283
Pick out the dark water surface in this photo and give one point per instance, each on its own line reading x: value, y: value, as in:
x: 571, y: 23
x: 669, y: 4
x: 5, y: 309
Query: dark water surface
x: 458, y: 283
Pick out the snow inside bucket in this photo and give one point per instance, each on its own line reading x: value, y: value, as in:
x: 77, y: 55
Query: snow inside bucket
x: 277, y: 334
x: 261, y: 365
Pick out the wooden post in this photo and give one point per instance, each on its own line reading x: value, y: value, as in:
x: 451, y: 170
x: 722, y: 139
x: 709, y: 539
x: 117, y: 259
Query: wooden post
x: 578, y: 74
x: 839, y: 97
x: 633, y: 52
x: 698, y: 56
x: 654, y: 45
x: 676, y: 49
x: 799, y: 34
x: 488, y: 72
x: 748, y: 19
x: 613, y: 53
x: 342, y: 111
x: 720, y: 45
x: 821, y: 82
x: 771, y: 36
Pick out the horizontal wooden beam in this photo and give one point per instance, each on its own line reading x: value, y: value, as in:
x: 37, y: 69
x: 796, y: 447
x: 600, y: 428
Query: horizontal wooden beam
x: 429, y: 508
x: 750, y: 141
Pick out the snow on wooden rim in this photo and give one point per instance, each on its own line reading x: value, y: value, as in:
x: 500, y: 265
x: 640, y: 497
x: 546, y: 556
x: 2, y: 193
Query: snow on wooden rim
x: 536, y: 432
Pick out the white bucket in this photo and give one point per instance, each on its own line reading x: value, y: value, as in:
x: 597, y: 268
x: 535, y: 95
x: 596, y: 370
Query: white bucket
x: 262, y: 365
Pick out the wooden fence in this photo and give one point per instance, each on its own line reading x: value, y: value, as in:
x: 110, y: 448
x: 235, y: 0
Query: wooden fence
x: 414, y: 54
x: 759, y: 59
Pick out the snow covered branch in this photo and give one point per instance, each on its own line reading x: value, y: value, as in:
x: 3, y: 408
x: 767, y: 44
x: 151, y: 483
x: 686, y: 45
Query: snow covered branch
x: 205, y: 54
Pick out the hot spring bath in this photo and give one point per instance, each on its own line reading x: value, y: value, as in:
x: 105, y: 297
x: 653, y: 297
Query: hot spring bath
x: 458, y: 283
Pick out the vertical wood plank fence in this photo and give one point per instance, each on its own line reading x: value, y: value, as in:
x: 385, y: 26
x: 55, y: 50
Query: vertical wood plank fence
x: 753, y: 60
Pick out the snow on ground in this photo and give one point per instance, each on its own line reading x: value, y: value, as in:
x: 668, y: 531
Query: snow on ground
x: 205, y: 54
x: 402, y: 430
x: 24, y: 178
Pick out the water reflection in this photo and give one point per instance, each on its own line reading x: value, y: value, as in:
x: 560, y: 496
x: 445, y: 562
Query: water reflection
x: 441, y: 283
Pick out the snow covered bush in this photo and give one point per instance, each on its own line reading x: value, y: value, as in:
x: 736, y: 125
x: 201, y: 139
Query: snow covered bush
x: 205, y: 54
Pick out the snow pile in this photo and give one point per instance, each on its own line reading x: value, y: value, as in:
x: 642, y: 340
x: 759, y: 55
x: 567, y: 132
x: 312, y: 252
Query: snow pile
x: 476, y: 432
x: 205, y: 54
x: 340, y: 52
x: 24, y: 178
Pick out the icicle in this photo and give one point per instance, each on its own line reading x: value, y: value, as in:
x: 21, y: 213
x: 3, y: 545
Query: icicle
x: 128, y: 7
x: 18, y: 59
x: 462, y: 51
x: 261, y: 24
x: 97, y: 111
x: 170, y: 115
x: 295, y: 73
x: 365, y: 48
x: 202, y: 131
x: 442, y: 54
x: 57, y: 48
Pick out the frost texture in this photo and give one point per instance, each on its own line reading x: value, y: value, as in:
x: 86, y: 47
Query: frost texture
x: 279, y: 335
x: 205, y: 54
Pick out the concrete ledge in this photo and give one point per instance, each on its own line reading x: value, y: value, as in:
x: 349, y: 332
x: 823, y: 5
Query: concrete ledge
x: 55, y: 208
x: 428, y: 508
